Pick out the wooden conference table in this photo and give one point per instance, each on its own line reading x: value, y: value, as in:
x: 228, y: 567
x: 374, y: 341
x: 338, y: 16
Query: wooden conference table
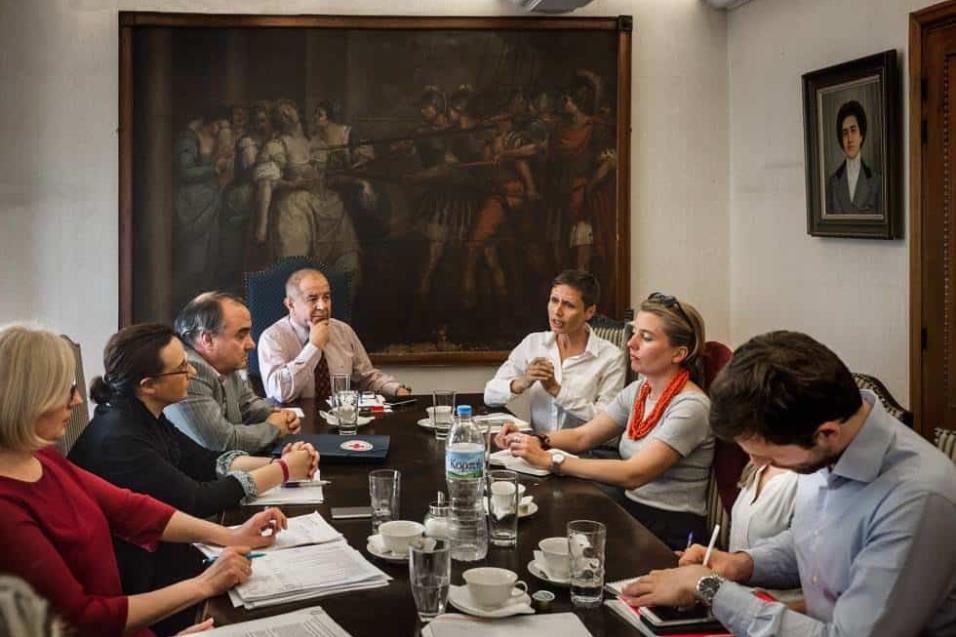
x: 631, y: 549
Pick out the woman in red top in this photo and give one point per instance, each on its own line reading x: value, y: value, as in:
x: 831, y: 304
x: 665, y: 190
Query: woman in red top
x: 56, y: 520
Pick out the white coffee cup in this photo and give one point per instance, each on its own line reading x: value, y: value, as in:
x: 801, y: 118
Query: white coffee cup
x: 555, y: 551
x: 398, y: 534
x: 492, y: 587
x: 503, y: 494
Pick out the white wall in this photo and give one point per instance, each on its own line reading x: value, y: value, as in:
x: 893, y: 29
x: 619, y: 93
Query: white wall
x: 851, y: 294
x: 58, y: 160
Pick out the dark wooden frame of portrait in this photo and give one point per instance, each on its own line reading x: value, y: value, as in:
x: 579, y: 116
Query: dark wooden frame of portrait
x: 131, y: 22
x: 890, y: 224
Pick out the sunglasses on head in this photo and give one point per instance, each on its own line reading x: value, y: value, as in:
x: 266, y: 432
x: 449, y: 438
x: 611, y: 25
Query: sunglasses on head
x: 668, y: 301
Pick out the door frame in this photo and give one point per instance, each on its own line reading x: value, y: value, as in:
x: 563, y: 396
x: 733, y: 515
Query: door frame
x: 920, y: 22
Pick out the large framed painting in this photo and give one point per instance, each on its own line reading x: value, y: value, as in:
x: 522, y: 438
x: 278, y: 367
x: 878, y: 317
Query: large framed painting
x: 852, y: 140
x: 450, y: 167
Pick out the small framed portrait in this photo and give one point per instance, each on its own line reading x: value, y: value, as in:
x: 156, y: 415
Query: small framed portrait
x: 851, y: 118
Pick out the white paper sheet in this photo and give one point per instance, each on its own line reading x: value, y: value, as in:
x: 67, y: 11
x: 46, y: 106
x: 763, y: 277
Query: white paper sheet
x: 307, y: 494
x: 309, y: 622
x: 302, y: 531
x: 505, y: 459
x: 454, y: 625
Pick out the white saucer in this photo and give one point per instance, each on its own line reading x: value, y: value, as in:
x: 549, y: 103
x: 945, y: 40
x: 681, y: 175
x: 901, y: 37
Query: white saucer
x: 538, y: 572
x: 460, y: 598
x: 529, y: 510
x: 334, y: 422
x: 377, y: 548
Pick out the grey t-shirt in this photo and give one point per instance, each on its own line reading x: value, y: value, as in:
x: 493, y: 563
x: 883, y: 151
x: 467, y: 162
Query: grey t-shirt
x: 684, y: 428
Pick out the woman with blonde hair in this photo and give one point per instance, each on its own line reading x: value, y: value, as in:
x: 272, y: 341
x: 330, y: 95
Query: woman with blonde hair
x: 56, y: 520
x: 666, y: 445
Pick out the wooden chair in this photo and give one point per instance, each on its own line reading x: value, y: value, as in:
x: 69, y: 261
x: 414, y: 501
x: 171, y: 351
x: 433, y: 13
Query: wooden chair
x: 865, y: 381
x: 80, y: 417
x: 265, y: 291
x: 619, y: 333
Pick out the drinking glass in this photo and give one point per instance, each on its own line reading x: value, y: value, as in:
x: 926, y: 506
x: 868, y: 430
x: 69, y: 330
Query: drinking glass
x: 503, y: 499
x: 443, y: 412
x: 586, y: 540
x: 384, y: 490
x: 340, y: 382
x: 429, y: 574
x: 346, y: 411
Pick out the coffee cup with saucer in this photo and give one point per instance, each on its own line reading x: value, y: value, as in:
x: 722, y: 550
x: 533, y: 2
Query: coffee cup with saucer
x: 491, y: 592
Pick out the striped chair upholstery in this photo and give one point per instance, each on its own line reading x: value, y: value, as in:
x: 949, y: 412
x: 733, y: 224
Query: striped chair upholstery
x: 81, y: 413
x: 617, y: 332
x: 865, y: 381
x: 716, y: 514
x: 946, y: 442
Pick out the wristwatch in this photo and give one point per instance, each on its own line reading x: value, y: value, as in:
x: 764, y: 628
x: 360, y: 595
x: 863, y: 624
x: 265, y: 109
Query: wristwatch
x: 707, y: 588
x: 557, y: 459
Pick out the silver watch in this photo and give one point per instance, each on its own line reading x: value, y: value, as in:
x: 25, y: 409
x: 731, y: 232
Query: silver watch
x: 557, y: 459
x: 707, y: 588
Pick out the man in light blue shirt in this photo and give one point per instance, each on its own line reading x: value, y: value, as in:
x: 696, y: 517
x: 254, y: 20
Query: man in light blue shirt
x: 872, y: 538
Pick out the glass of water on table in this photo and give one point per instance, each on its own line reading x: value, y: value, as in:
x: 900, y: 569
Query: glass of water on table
x: 346, y: 412
x: 586, y: 540
x: 429, y: 574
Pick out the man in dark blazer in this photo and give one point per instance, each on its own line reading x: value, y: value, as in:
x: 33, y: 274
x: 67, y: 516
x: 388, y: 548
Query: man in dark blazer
x: 854, y: 187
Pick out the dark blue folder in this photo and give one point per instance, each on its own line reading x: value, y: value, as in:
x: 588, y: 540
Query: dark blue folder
x: 336, y: 449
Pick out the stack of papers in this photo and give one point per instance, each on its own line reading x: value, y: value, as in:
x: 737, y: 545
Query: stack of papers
x: 508, y: 461
x: 305, y: 492
x: 306, y: 572
x: 368, y: 400
x: 301, y: 531
x: 454, y: 625
x: 311, y: 621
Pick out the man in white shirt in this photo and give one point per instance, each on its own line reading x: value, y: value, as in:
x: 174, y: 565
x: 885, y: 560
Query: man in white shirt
x: 568, y: 372
x: 300, y: 352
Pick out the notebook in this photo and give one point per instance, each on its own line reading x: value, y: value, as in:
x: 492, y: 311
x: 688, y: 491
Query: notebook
x: 336, y: 449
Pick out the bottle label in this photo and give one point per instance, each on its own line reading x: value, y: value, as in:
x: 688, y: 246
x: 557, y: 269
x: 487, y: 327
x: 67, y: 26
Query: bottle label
x: 465, y: 464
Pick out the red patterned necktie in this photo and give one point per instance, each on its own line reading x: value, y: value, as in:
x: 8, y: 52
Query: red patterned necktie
x: 323, y: 383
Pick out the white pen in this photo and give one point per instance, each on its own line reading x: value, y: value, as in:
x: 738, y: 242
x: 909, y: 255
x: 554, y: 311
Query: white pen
x: 710, y: 546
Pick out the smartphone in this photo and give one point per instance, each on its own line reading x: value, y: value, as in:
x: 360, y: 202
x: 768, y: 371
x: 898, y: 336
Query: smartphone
x: 666, y: 616
x: 350, y: 513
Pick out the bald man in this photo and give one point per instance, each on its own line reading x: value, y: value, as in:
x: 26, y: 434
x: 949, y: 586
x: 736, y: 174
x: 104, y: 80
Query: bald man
x: 301, y: 351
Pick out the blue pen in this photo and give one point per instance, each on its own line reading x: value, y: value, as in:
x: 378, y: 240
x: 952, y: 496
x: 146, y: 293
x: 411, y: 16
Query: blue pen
x: 690, y: 539
x: 250, y: 556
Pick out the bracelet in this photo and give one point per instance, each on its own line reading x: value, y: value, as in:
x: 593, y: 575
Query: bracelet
x: 545, y: 441
x: 285, y: 469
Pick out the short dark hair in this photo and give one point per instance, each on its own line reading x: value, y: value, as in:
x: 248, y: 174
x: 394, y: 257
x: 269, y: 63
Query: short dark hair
x: 203, y: 314
x: 131, y: 355
x: 584, y: 282
x: 781, y: 386
x: 855, y: 109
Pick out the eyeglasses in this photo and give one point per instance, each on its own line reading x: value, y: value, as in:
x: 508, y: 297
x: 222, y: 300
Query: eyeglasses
x: 665, y: 300
x: 185, y: 368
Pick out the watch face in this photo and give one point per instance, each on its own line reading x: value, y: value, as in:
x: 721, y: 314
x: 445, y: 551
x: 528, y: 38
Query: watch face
x: 708, y: 586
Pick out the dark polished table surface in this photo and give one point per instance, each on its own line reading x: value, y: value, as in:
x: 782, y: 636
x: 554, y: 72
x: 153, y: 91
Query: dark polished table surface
x: 631, y: 549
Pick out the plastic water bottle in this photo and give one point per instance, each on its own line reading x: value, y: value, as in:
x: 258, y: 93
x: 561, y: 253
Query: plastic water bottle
x: 465, y: 473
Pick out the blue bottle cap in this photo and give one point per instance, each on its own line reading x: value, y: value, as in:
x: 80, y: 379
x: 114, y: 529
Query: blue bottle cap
x: 463, y: 411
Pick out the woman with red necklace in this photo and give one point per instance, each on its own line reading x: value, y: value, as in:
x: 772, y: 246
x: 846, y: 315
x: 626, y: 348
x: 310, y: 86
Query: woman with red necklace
x: 666, y: 445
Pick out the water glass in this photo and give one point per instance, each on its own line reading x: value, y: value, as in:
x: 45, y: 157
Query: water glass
x: 384, y: 490
x: 340, y: 382
x: 586, y: 540
x: 443, y: 412
x: 503, y: 500
x: 429, y: 574
x: 346, y: 411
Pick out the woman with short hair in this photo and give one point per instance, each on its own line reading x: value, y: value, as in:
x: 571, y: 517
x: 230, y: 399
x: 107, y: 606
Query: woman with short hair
x: 666, y: 444
x: 56, y: 520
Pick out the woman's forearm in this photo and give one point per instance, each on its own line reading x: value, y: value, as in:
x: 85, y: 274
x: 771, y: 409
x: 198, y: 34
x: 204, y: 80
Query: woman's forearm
x: 249, y: 463
x: 187, y: 529
x: 620, y: 473
x: 267, y: 476
x: 148, y: 608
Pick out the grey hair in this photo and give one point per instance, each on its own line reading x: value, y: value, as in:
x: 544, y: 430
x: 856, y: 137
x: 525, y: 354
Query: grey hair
x: 203, y: 314
x: 292, y: 283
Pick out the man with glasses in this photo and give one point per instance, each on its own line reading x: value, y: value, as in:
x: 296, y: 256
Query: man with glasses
x: 221, y: 411
x: 569, y: 372
x: 299, y: 353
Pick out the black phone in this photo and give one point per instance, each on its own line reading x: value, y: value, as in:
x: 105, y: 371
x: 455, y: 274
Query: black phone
x: 351, y: 513
x: 667, y: 616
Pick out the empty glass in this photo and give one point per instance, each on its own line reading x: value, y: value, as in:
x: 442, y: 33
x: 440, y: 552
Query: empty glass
x: 339, y: 382
x: 346, y: 411
x: 429, y: 574
x: 586, y: 541
x: 503, y: 499
x: 384, y: 490
x: 443, y: 412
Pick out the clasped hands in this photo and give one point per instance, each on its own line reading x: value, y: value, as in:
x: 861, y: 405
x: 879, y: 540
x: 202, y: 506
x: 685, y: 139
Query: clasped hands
x: 302, y: 460
x: 539, y: 370
x: 522, y: 445
x: 286, y: 421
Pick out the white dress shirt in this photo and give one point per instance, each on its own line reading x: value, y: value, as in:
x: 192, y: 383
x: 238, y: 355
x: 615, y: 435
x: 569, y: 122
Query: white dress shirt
x: 588, y: 380
x: 852, y: 174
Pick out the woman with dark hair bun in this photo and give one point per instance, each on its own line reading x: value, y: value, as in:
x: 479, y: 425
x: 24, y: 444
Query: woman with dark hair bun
x: 130, y: 443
